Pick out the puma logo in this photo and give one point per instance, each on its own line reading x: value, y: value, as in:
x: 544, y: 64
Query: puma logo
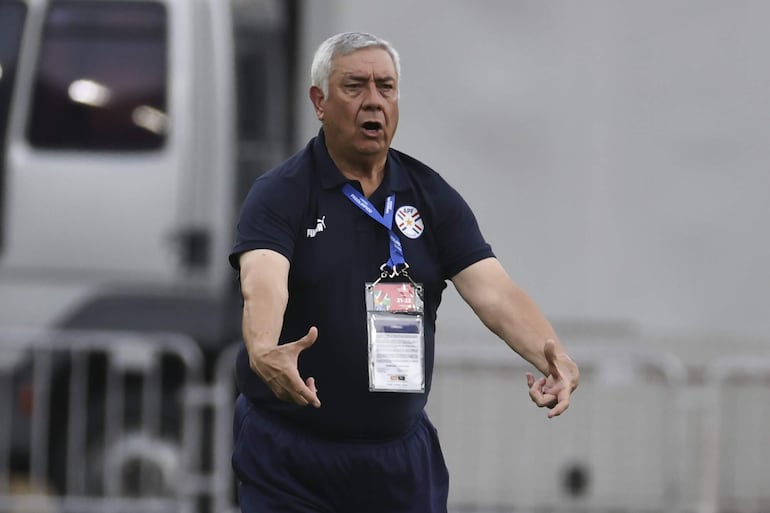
x: 319, y: 227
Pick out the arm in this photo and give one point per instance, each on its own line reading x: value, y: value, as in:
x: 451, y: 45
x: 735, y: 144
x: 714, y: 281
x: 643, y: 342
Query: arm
x: 264, y: 285
x: 508, y: 312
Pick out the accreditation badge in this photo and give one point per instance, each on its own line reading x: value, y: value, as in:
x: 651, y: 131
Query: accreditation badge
x: 395, y: 326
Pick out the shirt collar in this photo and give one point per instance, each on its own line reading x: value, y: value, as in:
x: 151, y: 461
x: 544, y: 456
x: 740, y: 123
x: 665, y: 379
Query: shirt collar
x: 396, y: 178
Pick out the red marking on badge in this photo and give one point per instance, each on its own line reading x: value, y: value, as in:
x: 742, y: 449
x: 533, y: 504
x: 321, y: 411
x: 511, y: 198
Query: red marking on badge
x: 394, y: 297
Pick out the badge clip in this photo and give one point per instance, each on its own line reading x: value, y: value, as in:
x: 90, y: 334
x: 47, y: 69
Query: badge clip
x: 395, y: 272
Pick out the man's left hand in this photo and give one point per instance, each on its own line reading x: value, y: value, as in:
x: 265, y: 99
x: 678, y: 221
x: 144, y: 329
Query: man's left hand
x: 554, y: 390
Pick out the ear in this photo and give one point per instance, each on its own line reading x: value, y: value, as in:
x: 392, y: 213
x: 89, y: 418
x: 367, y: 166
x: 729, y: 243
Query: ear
x: 318, y: 100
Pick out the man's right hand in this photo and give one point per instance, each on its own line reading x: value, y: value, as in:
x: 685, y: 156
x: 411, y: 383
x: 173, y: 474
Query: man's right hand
x: 277, y: 367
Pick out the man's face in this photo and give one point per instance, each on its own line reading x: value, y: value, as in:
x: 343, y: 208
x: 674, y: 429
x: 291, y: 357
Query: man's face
x: 360, y: 113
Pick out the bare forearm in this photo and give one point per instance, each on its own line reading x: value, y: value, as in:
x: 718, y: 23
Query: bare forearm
x: 265, y: 295
x: 264, y: 285
x: 262, y: 321
x: 507, y: 310
x: 516, y: 319
x: 510, y: 313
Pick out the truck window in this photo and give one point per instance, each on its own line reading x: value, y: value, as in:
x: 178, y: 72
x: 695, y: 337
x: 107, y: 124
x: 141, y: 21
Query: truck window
x: 101, y: 77
x: 12, y: 15
x: 265, y: 33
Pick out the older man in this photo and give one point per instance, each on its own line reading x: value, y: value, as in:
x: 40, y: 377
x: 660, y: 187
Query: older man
x: 344, y: 251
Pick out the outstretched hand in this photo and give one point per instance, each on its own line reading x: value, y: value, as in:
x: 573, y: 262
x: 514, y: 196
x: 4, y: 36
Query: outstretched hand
x: 554, y: 390
x: 277, y: 367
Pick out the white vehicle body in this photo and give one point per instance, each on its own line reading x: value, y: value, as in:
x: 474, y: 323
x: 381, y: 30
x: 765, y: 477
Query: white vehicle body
x: 148, y: 221
x: 130, y: 131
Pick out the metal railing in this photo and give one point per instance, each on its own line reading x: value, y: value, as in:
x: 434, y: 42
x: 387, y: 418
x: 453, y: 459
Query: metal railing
x: 111, y: 421
x: 736, y: 451
x: 618, y: 447
x: 99, y: 421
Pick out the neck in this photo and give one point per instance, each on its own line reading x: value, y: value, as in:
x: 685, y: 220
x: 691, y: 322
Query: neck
x: 369, y: 180
x: 369, y: 172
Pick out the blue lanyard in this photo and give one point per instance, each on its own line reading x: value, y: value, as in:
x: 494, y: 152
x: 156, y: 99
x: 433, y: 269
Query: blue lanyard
x: 386, y: 220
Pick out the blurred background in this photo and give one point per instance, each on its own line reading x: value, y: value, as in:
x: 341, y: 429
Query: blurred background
x: 615, y: 155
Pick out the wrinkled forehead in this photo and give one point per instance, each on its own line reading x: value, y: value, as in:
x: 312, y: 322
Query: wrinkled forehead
x: 365, y: 63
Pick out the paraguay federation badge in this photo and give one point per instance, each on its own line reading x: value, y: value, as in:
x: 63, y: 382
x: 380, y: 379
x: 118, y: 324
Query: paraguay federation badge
x: 409, y: 221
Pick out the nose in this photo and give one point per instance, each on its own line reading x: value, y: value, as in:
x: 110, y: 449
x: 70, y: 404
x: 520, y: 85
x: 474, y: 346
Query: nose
x: 372, y: 97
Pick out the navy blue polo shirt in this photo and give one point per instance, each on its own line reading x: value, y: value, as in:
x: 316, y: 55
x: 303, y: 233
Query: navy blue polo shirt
x: 299, y: 210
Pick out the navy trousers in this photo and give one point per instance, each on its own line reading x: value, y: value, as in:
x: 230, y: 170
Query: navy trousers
x: 282, y: 469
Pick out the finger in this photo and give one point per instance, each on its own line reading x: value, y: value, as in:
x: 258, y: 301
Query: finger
x: 303, y: 395
x: 292, y: 389
x: 315, y: 402
x: 530, y: 379
x: 559, y: 408
x: 296, y: 397
x: 306, y: 396
x: 306, y: 393
x: 535, y: 386
x: 546, y: 401
x: 538, y: 395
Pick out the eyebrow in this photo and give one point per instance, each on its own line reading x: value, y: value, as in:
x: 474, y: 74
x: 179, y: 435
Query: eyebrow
x: 365, y: 78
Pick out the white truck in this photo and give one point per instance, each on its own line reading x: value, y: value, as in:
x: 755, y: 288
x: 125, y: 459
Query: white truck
x: 130, y: 131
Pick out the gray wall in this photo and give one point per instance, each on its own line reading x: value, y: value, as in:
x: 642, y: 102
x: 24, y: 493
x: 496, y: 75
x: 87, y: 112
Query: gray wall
x: 615, y: 153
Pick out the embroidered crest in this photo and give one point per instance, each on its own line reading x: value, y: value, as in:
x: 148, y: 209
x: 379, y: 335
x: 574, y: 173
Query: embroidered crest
x: 409, y: 221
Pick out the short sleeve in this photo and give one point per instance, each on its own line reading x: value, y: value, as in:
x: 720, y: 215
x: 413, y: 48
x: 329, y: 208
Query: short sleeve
x: 270, y: 217
x: 459, y: 238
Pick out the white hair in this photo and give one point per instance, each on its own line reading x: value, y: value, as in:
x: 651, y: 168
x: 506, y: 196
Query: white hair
x: 345, y: 43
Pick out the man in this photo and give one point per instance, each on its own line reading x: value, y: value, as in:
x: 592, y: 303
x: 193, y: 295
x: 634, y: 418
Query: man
x: 344, y: 251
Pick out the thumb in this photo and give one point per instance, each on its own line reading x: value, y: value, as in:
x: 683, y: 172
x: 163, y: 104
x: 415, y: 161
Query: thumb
x: 309, y: 339
x: 550, y: 356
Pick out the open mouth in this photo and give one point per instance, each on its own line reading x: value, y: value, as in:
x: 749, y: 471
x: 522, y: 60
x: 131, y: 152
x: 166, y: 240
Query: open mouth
x: 372, y: 127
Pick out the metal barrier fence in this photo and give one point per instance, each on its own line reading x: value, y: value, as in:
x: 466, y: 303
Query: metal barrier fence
x: 224, y: 499
x: 618, y: 448
x: 736, y: 474
x: 94, y: 421
x: 505, y: 456
x: 126, y: 422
